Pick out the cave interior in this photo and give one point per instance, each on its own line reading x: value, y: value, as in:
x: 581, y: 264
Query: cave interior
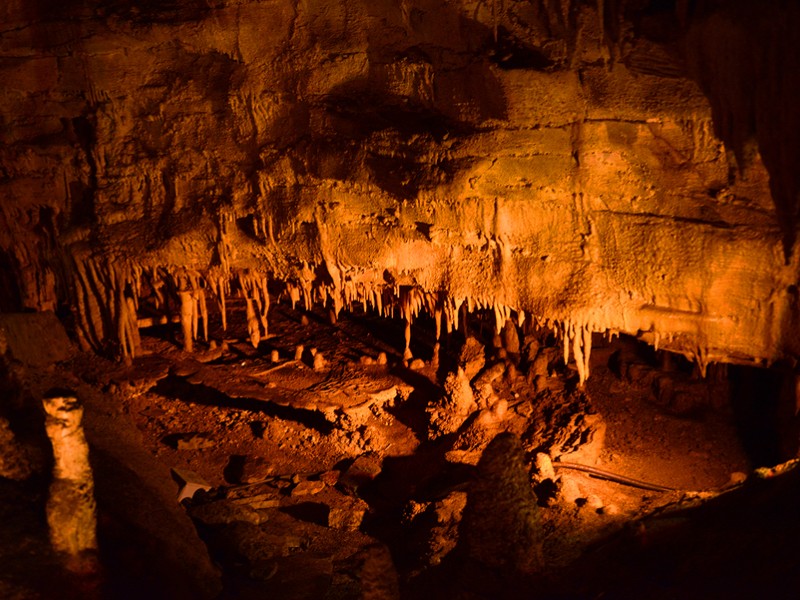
x: 383, y: 299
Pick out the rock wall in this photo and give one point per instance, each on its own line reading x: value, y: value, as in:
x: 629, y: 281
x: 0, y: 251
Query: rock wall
x: 604, y: 166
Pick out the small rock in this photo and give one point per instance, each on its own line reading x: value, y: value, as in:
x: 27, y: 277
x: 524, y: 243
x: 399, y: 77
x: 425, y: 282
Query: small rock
x: 417, y: 364
x: 307, y: 488
x: 510, y: 337
x: 189, y: 482
x: 450, y: 412
x: 212, y: 345
x: 366, y: 360
x: 511, y: 372
x: 298, y: 352
x: 275, y: 356
x: 500, y: 409
x: 248, y: 469
x: 544, y: 467
x: 594, y: 502
x: 737, y: 478
x: 319, y: 361
x: 540, y: 365
x: 347, y: 513
x: 364, y: 469
x: 382, y: 360
x: 569, y: 490
x: 190, y: 441
x: 610, y: 509
x: 472, y: 358
x: 330, y: 478
x: 531, y: 348
x: 304, y: 321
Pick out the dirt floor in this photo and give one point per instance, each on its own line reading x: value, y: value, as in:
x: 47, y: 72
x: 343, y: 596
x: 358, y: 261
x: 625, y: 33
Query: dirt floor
x: 329, y: 467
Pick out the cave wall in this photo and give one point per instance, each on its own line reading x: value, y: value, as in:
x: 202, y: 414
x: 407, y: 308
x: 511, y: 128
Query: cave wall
x: 623, y: 166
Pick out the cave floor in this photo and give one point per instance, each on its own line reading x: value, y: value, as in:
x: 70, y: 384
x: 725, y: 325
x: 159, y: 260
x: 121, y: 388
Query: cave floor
x: 322, y: 483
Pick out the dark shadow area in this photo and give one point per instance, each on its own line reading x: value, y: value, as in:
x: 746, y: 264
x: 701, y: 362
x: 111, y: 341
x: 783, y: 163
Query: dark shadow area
x: 180, y: 389
x: 141, y: 548
x: 10, y: 296
x: 311, y: 512
x: 412, y: 412
x: 511, y: 52
x: 754, y: 399
x: 403, y: 478
x: 740, y: 545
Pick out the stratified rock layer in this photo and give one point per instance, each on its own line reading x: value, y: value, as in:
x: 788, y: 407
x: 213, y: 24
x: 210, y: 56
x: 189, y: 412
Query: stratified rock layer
x: 554, y: 159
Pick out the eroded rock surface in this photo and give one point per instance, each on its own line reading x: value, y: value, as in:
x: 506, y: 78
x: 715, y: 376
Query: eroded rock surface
x: 597, y: 166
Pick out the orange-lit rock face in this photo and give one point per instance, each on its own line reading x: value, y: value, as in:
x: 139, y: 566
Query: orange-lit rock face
x: 559, y: 162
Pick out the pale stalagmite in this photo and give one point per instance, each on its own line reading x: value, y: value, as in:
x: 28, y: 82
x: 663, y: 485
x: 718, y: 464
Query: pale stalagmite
x: 71, y: 508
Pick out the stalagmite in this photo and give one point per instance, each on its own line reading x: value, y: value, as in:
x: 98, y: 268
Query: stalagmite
x: 510, y: 337
x: 71, y: 508
x: 252, y: 324
x: 131, y: 328
x: 203, y: 310
x: 263, y: 306
x: 195, y: 313
x: 407, y: 336
x: 578, y: 352
x: 187, y: 315
x: 587, y: 350
x: 222, y: 308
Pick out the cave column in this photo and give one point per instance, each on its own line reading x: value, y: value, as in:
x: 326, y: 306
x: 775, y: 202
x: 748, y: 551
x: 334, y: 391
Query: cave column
x: 71, y: 508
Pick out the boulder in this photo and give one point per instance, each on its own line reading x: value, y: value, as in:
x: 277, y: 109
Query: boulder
x: 34, y: 339
x: 472, y: 357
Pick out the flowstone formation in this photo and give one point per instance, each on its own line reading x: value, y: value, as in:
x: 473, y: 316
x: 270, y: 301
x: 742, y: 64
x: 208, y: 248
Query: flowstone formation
x: 594, y: 165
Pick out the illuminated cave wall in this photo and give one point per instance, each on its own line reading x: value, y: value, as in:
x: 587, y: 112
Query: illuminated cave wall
x: 606, y: 165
